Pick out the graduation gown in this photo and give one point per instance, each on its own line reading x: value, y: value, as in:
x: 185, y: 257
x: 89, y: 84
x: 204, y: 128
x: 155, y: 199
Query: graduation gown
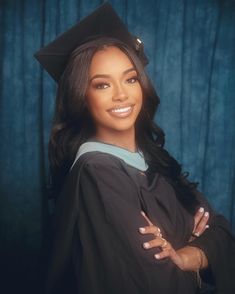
x: 96, y: 233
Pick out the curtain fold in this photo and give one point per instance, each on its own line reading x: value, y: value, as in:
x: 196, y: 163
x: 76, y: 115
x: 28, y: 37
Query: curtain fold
x: 191, y: 48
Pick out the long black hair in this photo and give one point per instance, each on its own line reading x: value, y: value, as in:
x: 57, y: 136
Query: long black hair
x: 73, y: 125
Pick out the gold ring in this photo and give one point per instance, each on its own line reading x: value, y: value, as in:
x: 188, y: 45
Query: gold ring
x: 164, y: 243
x: 158, y: 233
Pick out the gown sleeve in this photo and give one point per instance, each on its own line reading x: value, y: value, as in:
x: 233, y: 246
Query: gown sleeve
x: 218, y: 244
x: 60, y: 275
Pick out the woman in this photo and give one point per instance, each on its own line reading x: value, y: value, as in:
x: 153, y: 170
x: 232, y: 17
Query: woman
x: 125, y: 213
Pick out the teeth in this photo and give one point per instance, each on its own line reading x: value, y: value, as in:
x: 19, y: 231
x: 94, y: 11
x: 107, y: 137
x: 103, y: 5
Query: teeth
x: 120, y: 110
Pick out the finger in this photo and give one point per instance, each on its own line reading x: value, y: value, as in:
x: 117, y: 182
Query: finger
x: 172, y: 254
x: 147, y: 219
x: 157, y: 242
x: 201, y: 226
x: 198, y: 217
x: 150, y: 230
x: 163, y: 254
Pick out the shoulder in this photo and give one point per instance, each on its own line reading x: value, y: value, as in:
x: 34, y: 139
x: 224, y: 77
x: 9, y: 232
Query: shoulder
x: 93, y: 166
x: 97, y: 159
x: 102, y: 171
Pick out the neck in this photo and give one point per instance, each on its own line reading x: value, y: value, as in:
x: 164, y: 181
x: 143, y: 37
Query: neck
x: 121, y: 139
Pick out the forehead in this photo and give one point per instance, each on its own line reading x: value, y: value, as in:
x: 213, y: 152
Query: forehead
x: 110, y: 59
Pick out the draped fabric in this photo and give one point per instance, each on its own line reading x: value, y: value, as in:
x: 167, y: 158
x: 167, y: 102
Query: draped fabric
x: 191, y: 48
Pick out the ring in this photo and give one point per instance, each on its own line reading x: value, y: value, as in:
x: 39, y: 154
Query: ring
x: 158, y: 233
x: 196, y: 235
x: 164, y: 243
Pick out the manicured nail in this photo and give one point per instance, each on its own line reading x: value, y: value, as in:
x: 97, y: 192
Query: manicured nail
x: 206, y: 214
x: 146, y: 245
x: 157, y: 256
x: 142, y: 230
x: 142, y: 213
x: 201, y: 209
x: 196, y: 234
x: 207, y: 226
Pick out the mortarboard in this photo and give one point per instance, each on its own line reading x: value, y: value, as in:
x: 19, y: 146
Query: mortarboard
x: 104, y: 21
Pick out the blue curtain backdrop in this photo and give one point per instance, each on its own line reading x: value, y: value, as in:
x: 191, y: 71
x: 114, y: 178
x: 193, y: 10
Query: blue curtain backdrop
x: 191, y: 47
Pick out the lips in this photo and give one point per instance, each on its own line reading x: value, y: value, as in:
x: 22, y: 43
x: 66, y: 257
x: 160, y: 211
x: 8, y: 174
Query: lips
x: 121, y: 111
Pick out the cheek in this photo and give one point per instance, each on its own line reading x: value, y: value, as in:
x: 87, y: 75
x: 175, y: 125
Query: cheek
x: 96, y: 105
x: 138, y: 90
x: 139, y: 96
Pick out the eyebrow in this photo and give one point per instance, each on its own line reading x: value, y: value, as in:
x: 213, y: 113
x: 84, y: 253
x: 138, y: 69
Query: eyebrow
x: 108, y: 76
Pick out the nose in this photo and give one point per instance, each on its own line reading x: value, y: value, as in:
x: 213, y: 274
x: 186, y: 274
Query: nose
x: 119, y: 93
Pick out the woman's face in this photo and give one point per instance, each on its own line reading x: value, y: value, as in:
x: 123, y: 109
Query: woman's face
x: 114, y: 95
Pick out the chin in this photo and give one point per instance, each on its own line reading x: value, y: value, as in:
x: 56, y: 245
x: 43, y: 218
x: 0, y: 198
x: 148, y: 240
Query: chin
x: 122, y: 126
x: 119, y: 129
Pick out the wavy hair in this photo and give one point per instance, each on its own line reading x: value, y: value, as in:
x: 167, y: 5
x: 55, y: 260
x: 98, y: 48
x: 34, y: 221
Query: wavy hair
x: 72, y: 125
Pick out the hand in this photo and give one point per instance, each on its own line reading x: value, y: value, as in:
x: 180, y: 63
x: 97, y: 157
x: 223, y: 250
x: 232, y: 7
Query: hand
x: 187, y: 258
x: 167, y: 249
x: 200, y: 223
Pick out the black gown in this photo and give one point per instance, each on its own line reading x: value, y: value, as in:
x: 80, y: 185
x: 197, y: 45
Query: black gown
x: 98, y: 248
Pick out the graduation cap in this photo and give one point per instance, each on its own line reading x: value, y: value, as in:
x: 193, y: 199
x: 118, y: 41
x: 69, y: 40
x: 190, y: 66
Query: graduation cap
x: 102, y: 22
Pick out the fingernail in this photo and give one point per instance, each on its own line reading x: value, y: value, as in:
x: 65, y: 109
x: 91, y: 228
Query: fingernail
x: 206, y: 214
x: 201, y: 209
x: 142, y: 230
x: 157, y: 256
x: 146, y: 245
x: 207, y: 226
x: 197, y: 234
x: 142, y: 213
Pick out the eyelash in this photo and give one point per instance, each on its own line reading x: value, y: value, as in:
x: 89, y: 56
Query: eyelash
x: 135, y: 78
x: 102, y: 86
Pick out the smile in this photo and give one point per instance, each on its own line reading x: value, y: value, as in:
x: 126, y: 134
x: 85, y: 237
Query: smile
x: 121, y: 111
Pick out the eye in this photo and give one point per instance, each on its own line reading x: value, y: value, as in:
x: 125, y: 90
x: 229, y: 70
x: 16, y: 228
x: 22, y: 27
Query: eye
x: 132, y: 80
x: 101, y: 86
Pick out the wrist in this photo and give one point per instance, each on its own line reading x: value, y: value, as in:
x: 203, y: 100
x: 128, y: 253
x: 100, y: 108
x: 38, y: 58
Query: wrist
x: 203, y: 262
x: 193, y: 258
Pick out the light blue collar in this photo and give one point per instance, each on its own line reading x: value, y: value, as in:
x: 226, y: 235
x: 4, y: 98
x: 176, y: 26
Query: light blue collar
x: 134, y: 159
